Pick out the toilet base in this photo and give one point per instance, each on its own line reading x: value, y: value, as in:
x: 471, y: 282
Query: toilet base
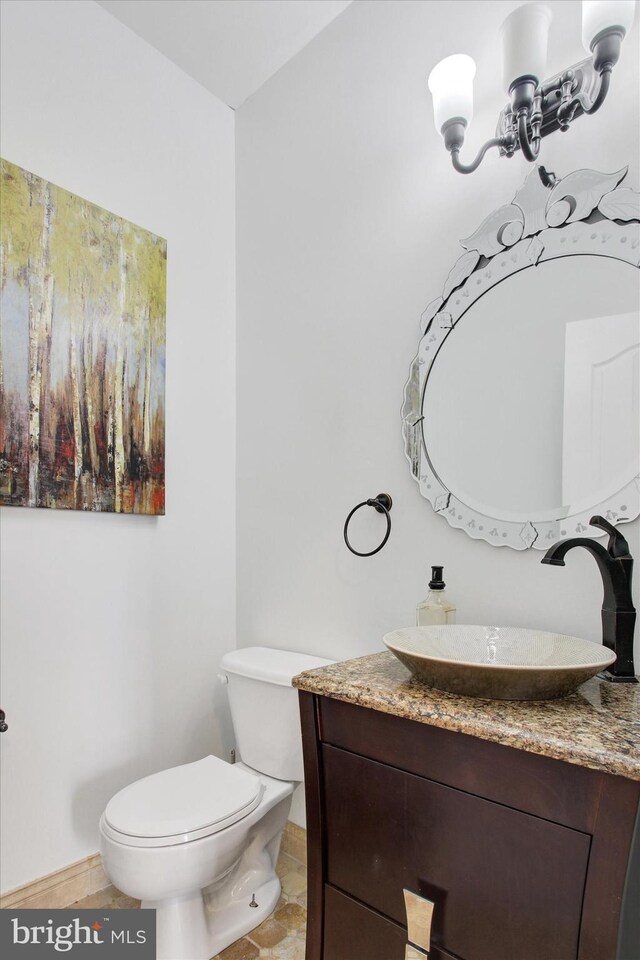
x: 187, y: 929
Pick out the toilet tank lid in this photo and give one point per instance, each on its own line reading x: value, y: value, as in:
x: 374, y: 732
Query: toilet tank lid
x: 270, y: 665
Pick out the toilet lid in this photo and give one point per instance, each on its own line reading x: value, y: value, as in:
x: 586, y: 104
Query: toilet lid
x: 184, y: 802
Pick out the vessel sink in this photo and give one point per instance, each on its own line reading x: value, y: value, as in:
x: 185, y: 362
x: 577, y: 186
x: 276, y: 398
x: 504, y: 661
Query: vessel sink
x: 498, y: 663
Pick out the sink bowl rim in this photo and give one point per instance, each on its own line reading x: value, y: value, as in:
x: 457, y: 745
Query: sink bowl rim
x: 606, y: 658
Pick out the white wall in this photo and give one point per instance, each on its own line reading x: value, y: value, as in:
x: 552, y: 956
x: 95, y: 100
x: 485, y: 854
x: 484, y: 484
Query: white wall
x: 348, y: 217
x: 112, y: 626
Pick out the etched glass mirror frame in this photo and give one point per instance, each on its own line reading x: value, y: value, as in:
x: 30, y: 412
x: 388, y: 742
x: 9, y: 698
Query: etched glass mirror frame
x: 585, y: 213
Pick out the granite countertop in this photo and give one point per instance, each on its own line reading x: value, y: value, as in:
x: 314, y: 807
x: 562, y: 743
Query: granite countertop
x: 596, y: 727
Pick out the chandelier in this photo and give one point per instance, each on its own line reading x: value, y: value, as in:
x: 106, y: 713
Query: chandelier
x: 538, y: 107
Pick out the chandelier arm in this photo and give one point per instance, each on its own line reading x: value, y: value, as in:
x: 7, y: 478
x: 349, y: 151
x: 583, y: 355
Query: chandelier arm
x: 470, y: 167
x: 567, y: 111
x: 603, y: 90
x: 530, y: 148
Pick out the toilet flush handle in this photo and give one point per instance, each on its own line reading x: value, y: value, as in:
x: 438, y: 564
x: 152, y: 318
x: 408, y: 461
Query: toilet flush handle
x: 223, y: 678
x: 3, y: 726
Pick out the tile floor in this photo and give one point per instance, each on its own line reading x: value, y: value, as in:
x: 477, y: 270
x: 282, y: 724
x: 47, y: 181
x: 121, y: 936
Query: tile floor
x: 280, y: 937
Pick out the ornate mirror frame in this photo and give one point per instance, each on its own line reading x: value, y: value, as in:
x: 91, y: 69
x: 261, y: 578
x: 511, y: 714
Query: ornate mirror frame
x: 586, y: 212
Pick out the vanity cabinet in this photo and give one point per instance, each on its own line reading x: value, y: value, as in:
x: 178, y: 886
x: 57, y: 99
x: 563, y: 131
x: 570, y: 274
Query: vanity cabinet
x: 509, y: 855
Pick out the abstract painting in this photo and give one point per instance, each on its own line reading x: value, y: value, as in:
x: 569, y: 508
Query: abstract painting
x: 82, y: 353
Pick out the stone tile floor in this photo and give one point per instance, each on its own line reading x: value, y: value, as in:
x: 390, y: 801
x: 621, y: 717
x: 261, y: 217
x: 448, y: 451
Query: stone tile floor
x: 280, y: 937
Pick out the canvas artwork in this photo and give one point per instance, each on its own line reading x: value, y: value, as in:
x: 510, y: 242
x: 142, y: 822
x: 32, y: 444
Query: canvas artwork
x: 82, y: 353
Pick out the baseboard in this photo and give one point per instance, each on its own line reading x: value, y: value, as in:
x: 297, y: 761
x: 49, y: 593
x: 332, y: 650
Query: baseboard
x: 294, y: 842
x: 59, y: 889
x: 81, y: 879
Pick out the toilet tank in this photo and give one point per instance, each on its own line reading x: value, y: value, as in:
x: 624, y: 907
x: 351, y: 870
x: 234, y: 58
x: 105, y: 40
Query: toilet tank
x: 264, y: 707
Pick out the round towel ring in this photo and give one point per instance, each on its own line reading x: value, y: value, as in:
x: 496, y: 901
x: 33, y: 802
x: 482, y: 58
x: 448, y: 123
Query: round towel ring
x: 382, y: 504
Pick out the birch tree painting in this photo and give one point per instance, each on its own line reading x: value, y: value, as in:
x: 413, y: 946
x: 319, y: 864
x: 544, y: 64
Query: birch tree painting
x: 82, y: 353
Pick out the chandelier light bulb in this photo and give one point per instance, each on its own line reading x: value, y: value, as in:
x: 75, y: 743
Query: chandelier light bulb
x: 451, y: 86
x: 601, y: 15
x: 525, y: 36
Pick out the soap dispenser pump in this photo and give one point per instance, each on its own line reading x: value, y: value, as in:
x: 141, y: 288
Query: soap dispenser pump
x: 435, y: 608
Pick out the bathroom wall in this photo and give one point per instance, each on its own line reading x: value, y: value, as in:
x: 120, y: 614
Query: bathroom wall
x: 348, y: 217
x: 112, y: 626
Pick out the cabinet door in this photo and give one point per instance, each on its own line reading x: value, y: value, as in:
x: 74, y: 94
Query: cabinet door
x: 506, y: 885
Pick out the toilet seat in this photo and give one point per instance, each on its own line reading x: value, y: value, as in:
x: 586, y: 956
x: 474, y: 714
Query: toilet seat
x: 182, y: 804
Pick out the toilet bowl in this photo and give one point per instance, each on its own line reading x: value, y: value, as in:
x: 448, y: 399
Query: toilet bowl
x: 199, y: 842
x: 202, y: 880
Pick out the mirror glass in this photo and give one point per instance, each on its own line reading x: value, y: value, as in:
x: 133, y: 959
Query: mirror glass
x: 532, y: 406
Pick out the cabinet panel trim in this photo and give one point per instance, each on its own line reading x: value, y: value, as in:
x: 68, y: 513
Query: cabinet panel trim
x: 546, y: 788
x: 607, y: 873
x: 314, y: 800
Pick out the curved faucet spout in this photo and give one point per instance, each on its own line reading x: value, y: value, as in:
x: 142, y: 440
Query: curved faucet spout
x: 617, y: 588
x: 556, y: 554
x: 615, y: 564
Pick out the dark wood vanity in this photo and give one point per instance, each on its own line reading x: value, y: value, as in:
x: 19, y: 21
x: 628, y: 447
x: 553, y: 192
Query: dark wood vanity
x: 428, y: 841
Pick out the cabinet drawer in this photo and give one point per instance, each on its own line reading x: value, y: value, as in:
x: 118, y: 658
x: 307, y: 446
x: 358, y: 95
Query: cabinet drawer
x: 506, y: 884
x: 352, y: 930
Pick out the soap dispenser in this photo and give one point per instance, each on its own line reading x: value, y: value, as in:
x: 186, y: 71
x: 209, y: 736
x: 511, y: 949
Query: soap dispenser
x: 435, y: 608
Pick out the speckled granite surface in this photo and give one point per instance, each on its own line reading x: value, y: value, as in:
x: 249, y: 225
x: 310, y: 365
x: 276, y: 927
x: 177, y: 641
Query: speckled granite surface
x: 597, y: 727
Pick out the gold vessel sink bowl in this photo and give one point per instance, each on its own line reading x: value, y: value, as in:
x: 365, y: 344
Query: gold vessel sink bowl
x: 498, y: 663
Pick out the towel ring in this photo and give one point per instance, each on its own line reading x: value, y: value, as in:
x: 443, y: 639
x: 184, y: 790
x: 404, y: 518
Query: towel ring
x: 382, y: 504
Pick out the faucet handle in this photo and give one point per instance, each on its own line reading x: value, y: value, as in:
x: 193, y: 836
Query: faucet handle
x: 617, y: 546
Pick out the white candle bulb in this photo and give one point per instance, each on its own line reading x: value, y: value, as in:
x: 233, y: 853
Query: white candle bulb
x: 599, y: 15
x: 451, y: 86
x: 525, y: 35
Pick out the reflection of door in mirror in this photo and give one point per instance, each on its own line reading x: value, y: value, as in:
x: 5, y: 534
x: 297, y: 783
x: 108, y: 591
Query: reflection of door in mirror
x: 530, y: 409
x: 601, y: 439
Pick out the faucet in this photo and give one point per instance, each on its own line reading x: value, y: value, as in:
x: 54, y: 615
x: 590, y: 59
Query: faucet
x: 618, y: 613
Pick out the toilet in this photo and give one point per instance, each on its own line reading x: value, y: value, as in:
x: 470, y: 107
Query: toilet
x: 198, y: 843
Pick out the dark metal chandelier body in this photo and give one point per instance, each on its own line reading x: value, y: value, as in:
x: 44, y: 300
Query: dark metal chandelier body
x: 538, y: 108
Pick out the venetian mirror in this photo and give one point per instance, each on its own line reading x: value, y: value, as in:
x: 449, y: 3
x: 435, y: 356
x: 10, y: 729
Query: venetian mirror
x: 521, y: 416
